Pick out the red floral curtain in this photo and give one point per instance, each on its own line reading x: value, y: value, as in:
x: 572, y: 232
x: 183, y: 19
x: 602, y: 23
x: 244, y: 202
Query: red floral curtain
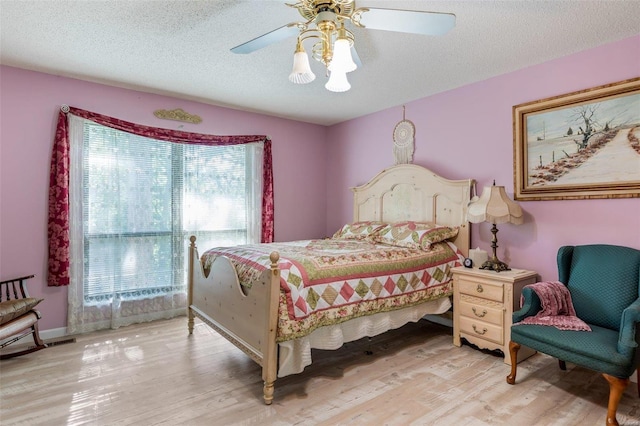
x: 58, y: 226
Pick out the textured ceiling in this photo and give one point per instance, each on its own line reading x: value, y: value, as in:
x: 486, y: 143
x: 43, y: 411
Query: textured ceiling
x: 181, y: 49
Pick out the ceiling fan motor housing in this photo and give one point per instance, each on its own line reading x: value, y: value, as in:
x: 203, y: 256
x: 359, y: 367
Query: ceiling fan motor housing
x: 324, y: 17
x: 311, y: 9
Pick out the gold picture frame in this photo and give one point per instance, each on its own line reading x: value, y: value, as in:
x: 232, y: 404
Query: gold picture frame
x: 579, y: 145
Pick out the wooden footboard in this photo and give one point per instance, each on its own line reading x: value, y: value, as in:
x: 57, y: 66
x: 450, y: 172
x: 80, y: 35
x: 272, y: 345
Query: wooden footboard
x: 247, y: 317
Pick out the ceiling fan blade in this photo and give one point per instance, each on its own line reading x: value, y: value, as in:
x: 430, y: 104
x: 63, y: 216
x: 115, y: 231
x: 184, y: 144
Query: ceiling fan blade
x: 408, y: 21
x: 265, y: 40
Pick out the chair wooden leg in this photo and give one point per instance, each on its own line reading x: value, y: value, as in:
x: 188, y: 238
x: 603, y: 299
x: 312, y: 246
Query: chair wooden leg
x: 36, y: 337
x: 39, y: 344
x: 563, y: 365
x: 616, y: 388
x: 513, y: 353
x: 638, y: 380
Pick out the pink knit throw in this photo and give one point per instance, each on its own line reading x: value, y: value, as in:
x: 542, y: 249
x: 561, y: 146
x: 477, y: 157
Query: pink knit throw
x: 557, y: 308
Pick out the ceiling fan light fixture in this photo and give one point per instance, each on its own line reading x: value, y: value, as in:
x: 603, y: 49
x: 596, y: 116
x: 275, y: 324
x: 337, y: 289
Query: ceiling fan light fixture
x: 334, y: 47
x: 338, y: 82
x: 342, y: 60
x: 301, y: 73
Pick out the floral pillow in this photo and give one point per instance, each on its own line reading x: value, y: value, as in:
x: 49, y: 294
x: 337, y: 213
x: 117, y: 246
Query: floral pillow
x: 359, y: 230
x: 420, y: 235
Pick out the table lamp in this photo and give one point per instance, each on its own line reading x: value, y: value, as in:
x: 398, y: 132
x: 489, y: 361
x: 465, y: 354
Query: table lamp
x: 494, y: 206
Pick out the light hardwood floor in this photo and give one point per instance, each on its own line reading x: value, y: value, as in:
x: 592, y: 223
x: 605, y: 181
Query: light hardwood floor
x: 155, y: 374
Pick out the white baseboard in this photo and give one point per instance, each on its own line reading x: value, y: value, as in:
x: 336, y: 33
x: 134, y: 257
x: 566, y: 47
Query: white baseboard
x: 53, y: 333
x: 46, y: 335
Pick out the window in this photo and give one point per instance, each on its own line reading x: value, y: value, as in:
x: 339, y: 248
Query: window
x: 133, y: 203
x: 143, y: 197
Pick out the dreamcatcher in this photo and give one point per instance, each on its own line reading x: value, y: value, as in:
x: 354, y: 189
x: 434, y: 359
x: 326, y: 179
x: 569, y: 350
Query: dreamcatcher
x: 404, y: 140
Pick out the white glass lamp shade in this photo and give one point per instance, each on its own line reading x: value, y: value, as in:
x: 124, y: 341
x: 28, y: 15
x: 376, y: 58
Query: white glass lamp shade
x: 495, y: 206
x: 301, y: 73
x: 342, y: 60
x: 338, y: 82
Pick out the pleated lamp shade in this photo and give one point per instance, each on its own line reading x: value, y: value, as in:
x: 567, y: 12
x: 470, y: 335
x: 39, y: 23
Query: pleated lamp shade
x: 495, y: 206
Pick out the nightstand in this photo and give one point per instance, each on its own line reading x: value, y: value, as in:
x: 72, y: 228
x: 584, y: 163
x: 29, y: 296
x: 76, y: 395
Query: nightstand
x: 483, y: 306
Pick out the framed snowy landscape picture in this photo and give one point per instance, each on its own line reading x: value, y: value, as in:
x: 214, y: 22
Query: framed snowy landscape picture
x: 580, y: 145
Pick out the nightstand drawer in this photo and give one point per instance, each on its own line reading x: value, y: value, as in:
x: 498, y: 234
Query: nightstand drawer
x: 493, y: 315
x: 481, y: 329
x: 480, y: 289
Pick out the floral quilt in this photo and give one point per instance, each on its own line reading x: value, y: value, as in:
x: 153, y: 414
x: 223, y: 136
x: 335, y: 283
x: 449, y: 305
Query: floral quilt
x: 332, y: 280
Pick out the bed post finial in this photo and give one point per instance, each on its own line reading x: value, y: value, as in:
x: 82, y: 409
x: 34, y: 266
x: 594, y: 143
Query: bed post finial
x: 274, y: 257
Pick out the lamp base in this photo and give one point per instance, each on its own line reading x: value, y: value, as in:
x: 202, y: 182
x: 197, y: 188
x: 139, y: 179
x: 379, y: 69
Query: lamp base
x: 495, y: 265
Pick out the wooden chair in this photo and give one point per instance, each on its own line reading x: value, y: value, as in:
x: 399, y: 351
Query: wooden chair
x: 604, y: 282
x: 18, y: 318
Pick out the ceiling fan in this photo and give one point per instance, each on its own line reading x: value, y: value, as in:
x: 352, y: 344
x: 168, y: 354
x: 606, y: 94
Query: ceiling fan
x: 334, y: 44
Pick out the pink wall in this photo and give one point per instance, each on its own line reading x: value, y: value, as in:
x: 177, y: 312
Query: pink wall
x: 29, y: 107
x: 467, y: 133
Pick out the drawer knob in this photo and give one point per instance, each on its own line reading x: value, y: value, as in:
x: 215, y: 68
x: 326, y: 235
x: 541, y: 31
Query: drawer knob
x: 479, y: 289
x: 484, y: 330
x: 484, y: 312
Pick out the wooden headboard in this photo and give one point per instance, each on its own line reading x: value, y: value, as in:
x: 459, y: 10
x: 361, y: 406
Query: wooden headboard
x: 411, y: 192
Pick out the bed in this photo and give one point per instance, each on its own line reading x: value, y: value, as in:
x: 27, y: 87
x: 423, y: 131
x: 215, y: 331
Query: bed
x: 275, y: 324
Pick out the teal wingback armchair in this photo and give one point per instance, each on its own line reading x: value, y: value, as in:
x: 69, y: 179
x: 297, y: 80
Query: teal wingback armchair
x: 604, y: 282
